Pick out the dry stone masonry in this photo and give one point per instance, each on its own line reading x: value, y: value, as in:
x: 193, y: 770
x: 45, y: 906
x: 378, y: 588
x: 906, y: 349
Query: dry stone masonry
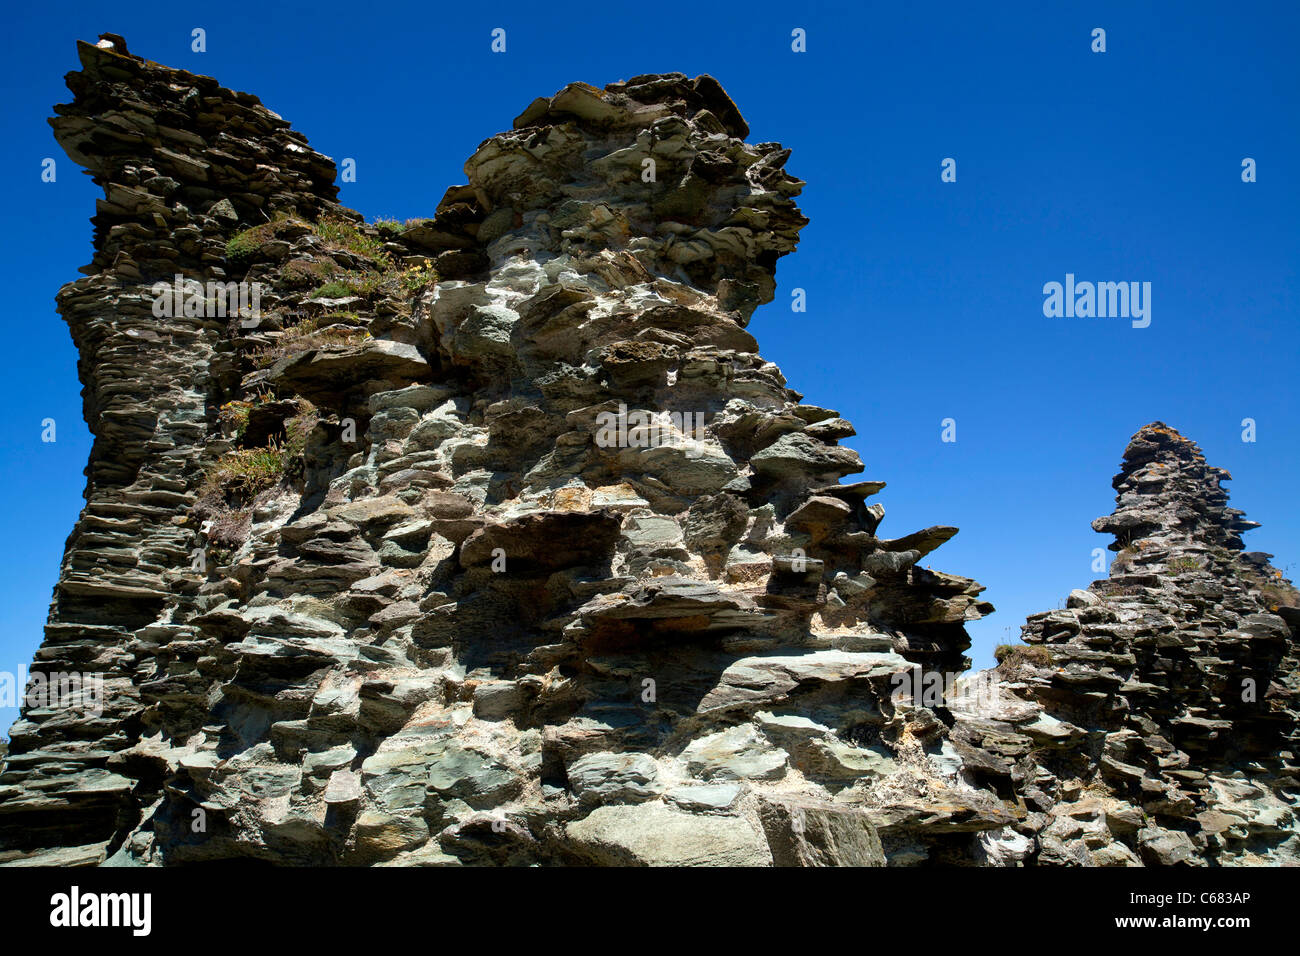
x: 1153, y: 719
x: 490, y: 538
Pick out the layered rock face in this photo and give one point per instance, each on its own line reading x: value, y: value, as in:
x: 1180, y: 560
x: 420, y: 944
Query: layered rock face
x: 176, y: 155
x: 1154, y: 718
x: 489, y: 538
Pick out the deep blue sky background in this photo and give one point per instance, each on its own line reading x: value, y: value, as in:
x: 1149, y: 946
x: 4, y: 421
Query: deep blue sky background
x: 924, y: 298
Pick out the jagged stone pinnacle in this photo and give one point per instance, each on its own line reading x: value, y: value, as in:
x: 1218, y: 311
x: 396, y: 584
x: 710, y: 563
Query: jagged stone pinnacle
x: 1153, y: 719
x: 1168, y: 494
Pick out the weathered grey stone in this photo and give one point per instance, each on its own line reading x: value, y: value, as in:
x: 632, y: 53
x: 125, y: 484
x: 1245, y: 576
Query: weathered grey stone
x: 706, y: 797
x: 653, y: 835
x: 798, y: 456
x: 804, y: 832
x: 463, y: 589
x: 614, y: 778
x: 741, y: 753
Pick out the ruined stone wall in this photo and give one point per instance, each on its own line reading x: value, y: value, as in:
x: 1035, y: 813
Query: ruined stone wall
x: 182, y: 163
x: 1154, y: 719
x: 491, y: 537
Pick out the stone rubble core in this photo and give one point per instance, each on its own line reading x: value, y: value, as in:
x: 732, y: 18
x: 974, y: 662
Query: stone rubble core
x: 460, y: 629
x: 1153, y: 719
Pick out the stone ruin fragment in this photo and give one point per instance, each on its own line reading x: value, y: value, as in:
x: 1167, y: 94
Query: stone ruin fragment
x: 1153, y: 719
x: 366, y: 586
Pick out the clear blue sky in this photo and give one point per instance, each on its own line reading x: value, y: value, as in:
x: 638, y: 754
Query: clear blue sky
x: 924, y: 298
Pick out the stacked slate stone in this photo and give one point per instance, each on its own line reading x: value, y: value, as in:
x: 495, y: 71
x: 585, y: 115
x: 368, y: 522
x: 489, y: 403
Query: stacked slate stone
x: 180, y: 160
x: 562, y: 570
x: 1154, y: 720
x: 491, y: 538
